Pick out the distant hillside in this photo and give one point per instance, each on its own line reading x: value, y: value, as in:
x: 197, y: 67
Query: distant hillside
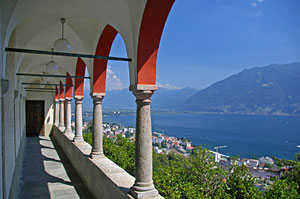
x: 166, y: 99
x: 162, y: 99
x: 273, y: 89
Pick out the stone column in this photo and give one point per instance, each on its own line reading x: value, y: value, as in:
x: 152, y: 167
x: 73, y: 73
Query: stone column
x: 68, y: 115
x: 61, y: 126
x: 97, y: 144
x: 20, y: 114
x: 78, y: 120
x: 56, y: 121
x: 15, y: 122
x: 23, y: 116
x: 143, y: 186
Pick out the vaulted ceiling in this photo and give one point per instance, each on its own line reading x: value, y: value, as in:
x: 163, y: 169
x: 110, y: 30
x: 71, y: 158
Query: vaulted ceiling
x: 35, y: 24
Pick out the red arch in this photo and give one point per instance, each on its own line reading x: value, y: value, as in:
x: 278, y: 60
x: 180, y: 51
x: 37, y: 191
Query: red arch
x: 79, y: 83
x: 103, y: 48
x: 155, y: 15
x: 62, y: 94
x: 69, y: 88
x: 56, y: 93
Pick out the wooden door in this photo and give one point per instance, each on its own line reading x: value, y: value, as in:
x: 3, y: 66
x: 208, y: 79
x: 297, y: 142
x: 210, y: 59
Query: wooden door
x: 34, y: 117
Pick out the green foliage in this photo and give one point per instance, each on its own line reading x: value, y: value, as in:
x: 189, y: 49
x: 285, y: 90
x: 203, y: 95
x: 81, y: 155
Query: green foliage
x: 293, y: 176
x: 241, y: 184
x: 198, y: 176
x: 88, y: 138
x: 297, y: 157
x: 121, y: 151
x: 282, y: 162
x: 283, y: 190
x: 269, y: 165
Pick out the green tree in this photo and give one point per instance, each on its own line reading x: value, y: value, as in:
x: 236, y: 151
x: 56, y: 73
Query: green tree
x: 241, y: 184
x: 88, y: 137
x: 283, y: 190
x: 121, y: 151
x: 293, y: 176
x: 198, y: 176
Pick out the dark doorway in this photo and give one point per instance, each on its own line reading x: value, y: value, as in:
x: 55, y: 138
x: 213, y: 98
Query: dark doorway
x: 34, y: 117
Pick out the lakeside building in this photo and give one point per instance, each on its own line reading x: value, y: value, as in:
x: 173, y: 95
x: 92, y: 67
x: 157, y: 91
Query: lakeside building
x: 38, y: 85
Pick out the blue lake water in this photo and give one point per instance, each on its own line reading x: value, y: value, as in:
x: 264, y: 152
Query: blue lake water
x: 245, y: 135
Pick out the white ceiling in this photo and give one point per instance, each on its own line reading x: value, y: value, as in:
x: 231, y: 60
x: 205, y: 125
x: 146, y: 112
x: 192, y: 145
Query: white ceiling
x: 35, y: 24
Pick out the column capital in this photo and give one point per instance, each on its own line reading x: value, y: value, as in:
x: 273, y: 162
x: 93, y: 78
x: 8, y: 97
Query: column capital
x: 61, y: 100
x: 68, y: 100
x: 97, y: 97
x: 143, y: 93
x: 78, y: 97
x: 56, y: 100
x: 78, y: 100
x: 142, y: 87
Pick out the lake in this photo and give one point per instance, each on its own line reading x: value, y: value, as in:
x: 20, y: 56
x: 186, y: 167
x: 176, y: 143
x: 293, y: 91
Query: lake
x: 245, y: 135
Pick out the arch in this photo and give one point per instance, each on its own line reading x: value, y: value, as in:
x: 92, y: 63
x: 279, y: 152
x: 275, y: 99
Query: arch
x: 79, y: 83
x: 80, y: 17
x: 61, y: 91
x: 153, y: 22
x: 99, y: 69
x: 69, y: 88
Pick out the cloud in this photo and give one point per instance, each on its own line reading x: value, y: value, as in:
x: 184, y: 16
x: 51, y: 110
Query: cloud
x: 167, y: 86
x: 112, y: 81
x: 254, y: 4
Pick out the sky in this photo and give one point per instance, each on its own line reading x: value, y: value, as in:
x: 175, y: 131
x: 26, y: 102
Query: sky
x: 205, y: 41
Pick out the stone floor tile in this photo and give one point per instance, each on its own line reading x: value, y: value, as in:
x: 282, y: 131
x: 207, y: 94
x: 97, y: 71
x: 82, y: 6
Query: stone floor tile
x: 48, y: 174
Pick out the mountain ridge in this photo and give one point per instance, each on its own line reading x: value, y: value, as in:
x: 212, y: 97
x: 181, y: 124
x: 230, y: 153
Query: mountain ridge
x: 268, y: 90
x: 124, y: 99
x: 272, y: 89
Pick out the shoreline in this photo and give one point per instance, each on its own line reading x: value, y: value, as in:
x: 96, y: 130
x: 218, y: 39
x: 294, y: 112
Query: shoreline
x: 157, y: 111
x: 209, y: 129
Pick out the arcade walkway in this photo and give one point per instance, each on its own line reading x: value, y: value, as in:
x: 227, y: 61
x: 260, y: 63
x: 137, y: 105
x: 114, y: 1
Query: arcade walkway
x: 47, y: 173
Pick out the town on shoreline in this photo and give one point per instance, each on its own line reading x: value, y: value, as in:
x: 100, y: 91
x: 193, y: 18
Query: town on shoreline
x: 263, y: 168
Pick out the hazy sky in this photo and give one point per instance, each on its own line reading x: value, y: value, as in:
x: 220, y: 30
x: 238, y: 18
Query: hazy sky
x: 208, y: 40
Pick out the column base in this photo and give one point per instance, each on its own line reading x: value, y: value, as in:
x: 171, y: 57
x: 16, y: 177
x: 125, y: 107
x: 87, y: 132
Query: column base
x: 97, y: 155
x: 153, y: 193
x: 68, y: 131
x: 61, y: 128
x: 78, y: 139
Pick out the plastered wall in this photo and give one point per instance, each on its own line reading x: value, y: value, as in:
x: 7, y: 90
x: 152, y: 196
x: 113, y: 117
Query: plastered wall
x: 49, y: 109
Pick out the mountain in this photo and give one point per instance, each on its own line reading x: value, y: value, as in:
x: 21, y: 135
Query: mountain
x: 166, y: 99
x: 162, y: 99
x: 273, y: 89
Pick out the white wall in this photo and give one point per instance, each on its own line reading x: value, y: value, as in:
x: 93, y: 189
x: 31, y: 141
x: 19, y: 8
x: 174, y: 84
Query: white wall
x: 8, y: 134
x: 49, y: 109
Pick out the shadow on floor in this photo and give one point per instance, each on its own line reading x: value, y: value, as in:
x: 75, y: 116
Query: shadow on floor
x: 47, y: 173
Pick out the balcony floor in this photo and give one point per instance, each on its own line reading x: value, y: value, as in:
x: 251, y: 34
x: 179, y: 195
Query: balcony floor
x: 47, y: 173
